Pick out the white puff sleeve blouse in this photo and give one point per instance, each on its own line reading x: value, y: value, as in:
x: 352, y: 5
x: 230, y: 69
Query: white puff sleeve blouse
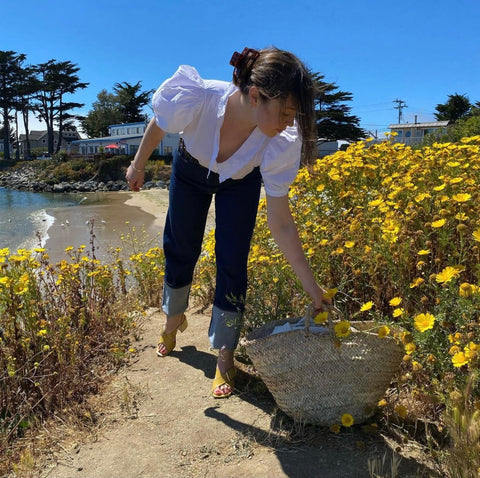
x: 195, y: 108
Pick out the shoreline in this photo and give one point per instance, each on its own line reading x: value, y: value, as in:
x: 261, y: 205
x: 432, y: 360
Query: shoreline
x: 111, y: 216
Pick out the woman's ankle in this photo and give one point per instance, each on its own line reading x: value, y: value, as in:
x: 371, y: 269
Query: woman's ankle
x: 225, y: 359
x: 172, y: 323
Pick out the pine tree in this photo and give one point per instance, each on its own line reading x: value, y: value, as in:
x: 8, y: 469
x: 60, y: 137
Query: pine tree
x: 334, y: 121
x: 57, y: 80
x: 10, y: 76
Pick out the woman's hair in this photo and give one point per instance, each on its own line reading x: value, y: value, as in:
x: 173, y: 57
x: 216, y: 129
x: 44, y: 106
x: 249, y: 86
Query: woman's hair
x: 278, y: 74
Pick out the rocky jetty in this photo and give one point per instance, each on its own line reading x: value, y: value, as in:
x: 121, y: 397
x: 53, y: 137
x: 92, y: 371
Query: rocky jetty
x: 26, y: 179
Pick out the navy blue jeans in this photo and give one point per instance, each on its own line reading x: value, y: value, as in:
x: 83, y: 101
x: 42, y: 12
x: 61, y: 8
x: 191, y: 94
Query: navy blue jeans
x: 236, y: 202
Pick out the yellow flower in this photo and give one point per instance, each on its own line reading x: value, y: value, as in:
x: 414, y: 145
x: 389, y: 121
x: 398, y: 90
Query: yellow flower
x: 416, y: 282
x: 5, y: 280
x: 366, y: 306
x: 461, y: 216
x: 462, y: 197
x: 470, y: 354
x: 447, y: 275
x: 42, y: 333
x: 395, y: 301
x: 416, y: 366
x: 454, y: 349
x: 335, y: 428
x: 330, y: 294
x: 401, y: 411
x: 423, y: 252
x: 321, y: 317
x: 349, y: 244
x: 410, y: 348
x: 424, y: 322
x: 347, y: 420
x: 455, y: 339
x: 342, y: 328
x: 439, y: 223
x: 476, y: 234
x: 459, y: 360
x: 382, y: 403
x: 398, y: 312
x: 466, y: 289
x: 383, y: 331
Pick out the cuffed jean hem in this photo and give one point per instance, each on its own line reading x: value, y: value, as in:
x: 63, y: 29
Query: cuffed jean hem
x: 175, y: 301
x: 225, y: 327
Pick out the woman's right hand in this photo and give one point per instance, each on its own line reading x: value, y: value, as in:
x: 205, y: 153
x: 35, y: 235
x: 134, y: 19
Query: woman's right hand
x: 135, y: 178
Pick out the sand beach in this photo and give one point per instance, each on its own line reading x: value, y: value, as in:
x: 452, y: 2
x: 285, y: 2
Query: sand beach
x: 113, y: 214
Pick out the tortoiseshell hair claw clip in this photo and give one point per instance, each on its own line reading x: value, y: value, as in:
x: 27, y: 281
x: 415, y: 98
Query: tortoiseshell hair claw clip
x: 247, y: 54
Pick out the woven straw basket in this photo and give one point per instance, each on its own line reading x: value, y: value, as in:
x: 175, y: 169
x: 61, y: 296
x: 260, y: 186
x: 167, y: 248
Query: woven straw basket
x: 314, y: 380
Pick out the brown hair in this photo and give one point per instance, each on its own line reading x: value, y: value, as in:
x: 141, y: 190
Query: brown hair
x: 278, y: 74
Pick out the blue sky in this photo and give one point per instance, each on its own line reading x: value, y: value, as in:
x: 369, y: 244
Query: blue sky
x: 416, y: 51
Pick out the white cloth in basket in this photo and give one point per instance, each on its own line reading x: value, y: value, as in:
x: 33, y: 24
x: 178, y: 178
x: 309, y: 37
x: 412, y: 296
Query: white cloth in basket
x: 300, y: 325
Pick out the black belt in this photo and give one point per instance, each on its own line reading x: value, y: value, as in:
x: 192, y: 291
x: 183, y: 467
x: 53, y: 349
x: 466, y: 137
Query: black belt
x: 183, y: 150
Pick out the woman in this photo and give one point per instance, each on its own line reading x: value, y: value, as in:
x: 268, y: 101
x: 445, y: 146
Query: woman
x: 234, y: 135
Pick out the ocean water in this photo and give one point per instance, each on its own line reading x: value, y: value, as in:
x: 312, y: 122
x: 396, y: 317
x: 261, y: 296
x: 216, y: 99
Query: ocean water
x: 23, y: 214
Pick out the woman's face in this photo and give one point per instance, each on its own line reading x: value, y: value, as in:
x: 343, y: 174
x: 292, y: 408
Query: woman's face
x: 274, y: 115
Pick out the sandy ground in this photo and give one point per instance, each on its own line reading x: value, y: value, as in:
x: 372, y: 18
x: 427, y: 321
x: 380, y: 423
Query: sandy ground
x: 113, y: 215
x: 163, y: 421
x: 116, y: 215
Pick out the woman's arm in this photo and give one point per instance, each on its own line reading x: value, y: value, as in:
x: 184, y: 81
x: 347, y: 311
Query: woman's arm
x: 136, y: 171
x: 285, y: 233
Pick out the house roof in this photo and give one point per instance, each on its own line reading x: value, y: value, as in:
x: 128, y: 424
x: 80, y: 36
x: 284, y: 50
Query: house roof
x: 433, y: 124
x: 108, y: 139
x: 36, y: 135
x: 33, y: 135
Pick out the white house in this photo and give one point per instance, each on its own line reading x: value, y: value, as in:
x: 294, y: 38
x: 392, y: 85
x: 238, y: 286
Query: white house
x: 413, y: 133
x: 124, y: 139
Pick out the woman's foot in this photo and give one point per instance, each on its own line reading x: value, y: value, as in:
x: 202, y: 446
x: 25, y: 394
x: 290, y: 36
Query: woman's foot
x: 168, y: 336
x: 224, y: 381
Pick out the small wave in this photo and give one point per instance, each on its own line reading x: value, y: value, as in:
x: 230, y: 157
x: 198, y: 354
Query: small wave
x: 41, y: 222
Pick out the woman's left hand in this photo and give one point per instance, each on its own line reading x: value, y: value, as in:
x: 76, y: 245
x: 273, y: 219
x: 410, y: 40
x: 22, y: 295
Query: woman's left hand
x: 320, y: 302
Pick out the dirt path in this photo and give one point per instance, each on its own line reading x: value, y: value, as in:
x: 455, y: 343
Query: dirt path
x: 170, y: 426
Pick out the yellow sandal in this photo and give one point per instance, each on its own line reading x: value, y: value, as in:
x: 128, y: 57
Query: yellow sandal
x: 227, y: 378
x: 170, y: 339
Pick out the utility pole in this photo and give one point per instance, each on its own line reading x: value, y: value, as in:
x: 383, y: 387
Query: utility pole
x: 400, y: 105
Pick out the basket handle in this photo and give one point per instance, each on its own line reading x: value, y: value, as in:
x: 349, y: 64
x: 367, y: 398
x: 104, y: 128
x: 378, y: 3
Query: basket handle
x: 331, y: 309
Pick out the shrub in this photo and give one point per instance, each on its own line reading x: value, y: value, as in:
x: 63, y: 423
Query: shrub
x: 397, y: 232
x: 64, y: 326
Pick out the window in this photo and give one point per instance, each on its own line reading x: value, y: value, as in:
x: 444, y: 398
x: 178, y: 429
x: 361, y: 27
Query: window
x: 167, y: 150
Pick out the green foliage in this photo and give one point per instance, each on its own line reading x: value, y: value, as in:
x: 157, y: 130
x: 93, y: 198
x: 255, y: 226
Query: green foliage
x: 456, y: 107
x: 334, y: 121
x: 56, y: 80
x: 463, y: 128
x: 131, y: 101
x: 105, y: 112
x: 125, y: 105
x: 10, y: 78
